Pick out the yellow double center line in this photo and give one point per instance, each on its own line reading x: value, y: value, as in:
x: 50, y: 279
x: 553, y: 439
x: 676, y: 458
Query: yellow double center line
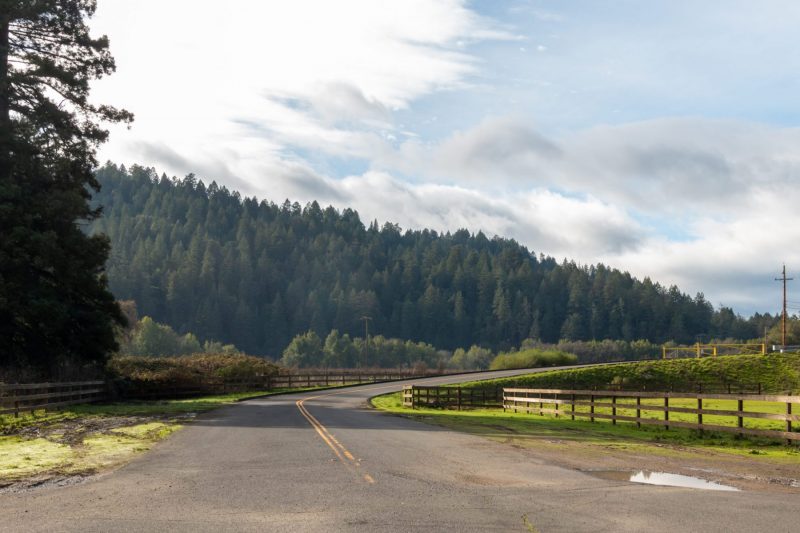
x: 342, y: 453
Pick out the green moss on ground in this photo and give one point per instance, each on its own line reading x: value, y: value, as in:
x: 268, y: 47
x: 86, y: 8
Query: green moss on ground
x: 21, y: 457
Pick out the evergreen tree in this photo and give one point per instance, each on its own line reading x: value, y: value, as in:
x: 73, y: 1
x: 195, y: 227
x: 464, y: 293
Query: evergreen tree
x: 256, y: 274
x: 54, y: 305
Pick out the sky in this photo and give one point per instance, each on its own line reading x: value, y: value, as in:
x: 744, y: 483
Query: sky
x: 658, y: 137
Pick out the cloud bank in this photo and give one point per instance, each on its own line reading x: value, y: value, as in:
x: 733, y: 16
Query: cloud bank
x: 552, y: 126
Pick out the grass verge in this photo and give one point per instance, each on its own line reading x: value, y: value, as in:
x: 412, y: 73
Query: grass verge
x: 773, y: 373
x: 518, y: 427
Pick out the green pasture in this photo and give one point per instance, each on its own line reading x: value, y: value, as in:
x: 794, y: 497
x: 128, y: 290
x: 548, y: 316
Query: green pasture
x: 495, y: 423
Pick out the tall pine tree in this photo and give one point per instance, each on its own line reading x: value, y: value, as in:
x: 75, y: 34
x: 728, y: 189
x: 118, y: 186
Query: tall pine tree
x: 55, y: 308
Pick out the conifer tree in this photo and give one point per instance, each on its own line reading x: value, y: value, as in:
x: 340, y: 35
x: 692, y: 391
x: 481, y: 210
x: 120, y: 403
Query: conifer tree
x: 55, y: 307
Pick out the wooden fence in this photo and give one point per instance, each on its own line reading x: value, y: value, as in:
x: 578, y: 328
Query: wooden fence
x: 31, y: 396
x: 264, y: 383
x: 334, y: 378
x: 564, y: 402
x: 432, y: 396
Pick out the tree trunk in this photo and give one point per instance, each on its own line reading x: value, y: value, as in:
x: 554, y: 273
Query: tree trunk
x: 5, y: 96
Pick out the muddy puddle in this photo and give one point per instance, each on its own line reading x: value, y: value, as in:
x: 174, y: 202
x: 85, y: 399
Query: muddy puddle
x: 665, y: 479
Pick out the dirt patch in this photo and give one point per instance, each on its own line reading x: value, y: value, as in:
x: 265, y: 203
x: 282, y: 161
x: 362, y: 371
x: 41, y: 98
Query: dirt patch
x: 739, y: 471
x: 74, y: 431
x: 42, y: 481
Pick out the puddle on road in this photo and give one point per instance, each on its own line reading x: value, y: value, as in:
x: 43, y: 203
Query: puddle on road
x: 660, y: 478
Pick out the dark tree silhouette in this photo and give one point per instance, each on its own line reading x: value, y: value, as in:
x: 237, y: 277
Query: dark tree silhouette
x: 55, y: 307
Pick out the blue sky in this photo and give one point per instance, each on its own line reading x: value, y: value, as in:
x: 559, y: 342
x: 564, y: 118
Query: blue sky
x: 659, y: 137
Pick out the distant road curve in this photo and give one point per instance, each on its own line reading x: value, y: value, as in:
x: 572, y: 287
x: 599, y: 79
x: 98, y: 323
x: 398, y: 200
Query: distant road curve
x: 325, y: 461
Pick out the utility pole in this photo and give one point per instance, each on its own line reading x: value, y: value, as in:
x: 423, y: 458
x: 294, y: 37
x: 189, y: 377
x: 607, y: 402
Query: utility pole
x: 366, y: 320
x: 784, y: 279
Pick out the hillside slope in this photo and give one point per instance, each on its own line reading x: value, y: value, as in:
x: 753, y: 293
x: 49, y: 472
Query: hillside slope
x: 204, y: 259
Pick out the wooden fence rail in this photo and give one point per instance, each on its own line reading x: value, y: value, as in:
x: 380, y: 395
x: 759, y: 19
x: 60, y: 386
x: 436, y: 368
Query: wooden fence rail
x: 563, y: 402
x: 32, y: 396
x: 17, y: 398
x: 433, y: 396
x: 333, y: 378
x: 264, y: 383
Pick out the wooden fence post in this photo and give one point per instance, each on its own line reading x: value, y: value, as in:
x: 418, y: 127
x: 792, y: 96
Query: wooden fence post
x: 613, y: 410
x: 788, y: 420
x: 666, y: 412
x: 572, y: 407
x: 739, y: 418
x: 591, y: 407
x: 459, y: 397
x: 700, y: 414
x: 638, y: 411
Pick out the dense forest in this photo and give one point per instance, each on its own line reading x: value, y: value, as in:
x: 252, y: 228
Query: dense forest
x: 253, y: 273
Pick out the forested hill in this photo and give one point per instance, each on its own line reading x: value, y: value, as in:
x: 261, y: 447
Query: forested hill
x: 203, y: 259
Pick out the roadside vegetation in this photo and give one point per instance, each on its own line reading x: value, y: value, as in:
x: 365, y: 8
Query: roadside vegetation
x: 532, y: 358
x: 130, y: 375
x: 773, y: 373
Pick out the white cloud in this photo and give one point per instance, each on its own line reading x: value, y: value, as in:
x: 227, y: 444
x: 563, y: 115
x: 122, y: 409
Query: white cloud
x: 655, y: 167
x: 241, y: 89
x: 278, y: 99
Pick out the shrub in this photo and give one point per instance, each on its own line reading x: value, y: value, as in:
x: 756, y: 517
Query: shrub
x: 532, y: 358
x: 200, y: 372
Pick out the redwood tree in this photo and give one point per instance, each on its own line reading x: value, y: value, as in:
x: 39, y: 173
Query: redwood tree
x: 55, y: 307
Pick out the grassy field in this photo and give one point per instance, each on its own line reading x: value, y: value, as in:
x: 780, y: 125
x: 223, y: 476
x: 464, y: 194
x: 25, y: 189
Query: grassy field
x: 87, y: 438
x: 496, y: 423
x: 773, y: 373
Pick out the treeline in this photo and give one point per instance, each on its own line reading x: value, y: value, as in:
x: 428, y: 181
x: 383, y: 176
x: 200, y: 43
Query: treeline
x: 253, y: 273
x: 146, y: 337
x: 342, y: 351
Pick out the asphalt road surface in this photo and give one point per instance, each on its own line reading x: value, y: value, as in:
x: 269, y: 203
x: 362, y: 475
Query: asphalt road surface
x: 325, y: 461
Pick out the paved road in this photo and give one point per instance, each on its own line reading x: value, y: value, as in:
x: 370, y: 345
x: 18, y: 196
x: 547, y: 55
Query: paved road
x: 326, y: 462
